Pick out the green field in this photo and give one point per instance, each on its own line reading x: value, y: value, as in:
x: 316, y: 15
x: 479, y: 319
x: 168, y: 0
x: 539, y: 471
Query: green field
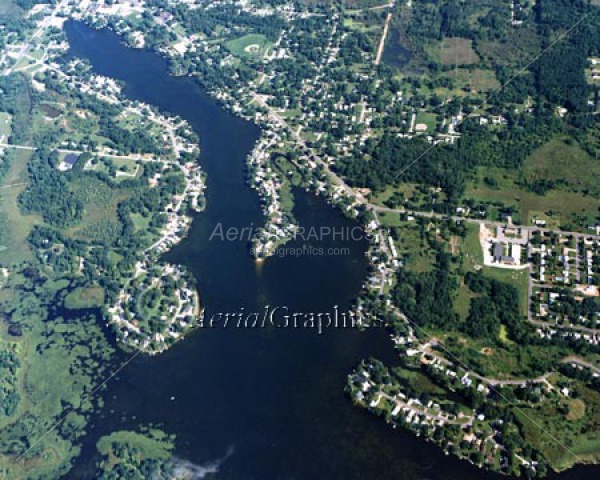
x: 559, y: 161
x: 406, y: 189
x: 570, y: 203
x: 429, y: 119
x: 563, y: 439
x: 457, y: 51
x: 250, y: 46
x: 8, y: 7
x: 15, y: 226
x: 89, y: 297
x: 100, y: 219
x: 140, y: 222
x: 478, y: 79
x: 471, y: 248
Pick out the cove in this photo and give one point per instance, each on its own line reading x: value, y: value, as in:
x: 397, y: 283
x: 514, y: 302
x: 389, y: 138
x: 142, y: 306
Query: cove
x: 272, y: 398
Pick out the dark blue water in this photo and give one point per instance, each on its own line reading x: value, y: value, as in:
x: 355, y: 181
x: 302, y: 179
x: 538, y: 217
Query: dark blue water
x: 274, y: 395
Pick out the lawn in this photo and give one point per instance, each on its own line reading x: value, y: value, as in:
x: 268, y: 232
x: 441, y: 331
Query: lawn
x: 471, y: 248
x: 389, y: 219
x: 250, y: 46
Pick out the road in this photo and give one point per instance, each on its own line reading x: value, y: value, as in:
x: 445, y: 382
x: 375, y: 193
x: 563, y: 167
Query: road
x: 429, y: 349
x: 312, y: 155
x: 383, y: 37
x: 13, y: 185
x: 45, y: 23
x: 379, y: 208
x: 77, y: 152
x: 582, y: 362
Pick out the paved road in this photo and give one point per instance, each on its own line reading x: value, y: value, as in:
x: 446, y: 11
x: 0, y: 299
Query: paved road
x: 77, y: 152
x: 380, y: 208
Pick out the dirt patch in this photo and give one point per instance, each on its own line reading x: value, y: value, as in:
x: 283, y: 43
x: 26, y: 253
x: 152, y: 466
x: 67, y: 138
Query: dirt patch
x: 50, y: 111
x: 454, y: 245
x: 576, y: 410
x: 252, y: 49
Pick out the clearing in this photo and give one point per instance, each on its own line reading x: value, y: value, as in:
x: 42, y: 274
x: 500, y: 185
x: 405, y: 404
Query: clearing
x: 14, y: 226
x: 251, y: 46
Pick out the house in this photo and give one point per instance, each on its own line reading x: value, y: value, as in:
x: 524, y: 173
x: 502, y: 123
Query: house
x: 71, y: 159
x: 68, y: 162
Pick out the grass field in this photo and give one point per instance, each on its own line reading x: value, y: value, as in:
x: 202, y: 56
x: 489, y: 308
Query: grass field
x: 524, y: 45
x: 564, y: 443
x: 100, y: 208
x: 8, y: 7
x: 457, y: 51
x: 418, y: 381
x: 576, y: 409
x: 15, y: 226
x: 389, y: 219
x: 140, y: 222
x: 406, y: 189
x: 471, y: 248
x: 419, y: 256
x: 89, y: 297
x: 251, y: 46
x: 429, y: 119
x: 478, y: 79
x: 559, y: 161
x: 462, y: 302
x: 561, y: 207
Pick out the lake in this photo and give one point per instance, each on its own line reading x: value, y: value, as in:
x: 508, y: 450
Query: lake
x: 269, y: 403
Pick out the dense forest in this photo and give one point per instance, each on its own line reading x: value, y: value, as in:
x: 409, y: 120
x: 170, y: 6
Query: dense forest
x: 15, y: 99
x: 498, y: 305
x: 396, y: 160
x: 207, y: 21
x: 49, y: 193
x: 427, y: 298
